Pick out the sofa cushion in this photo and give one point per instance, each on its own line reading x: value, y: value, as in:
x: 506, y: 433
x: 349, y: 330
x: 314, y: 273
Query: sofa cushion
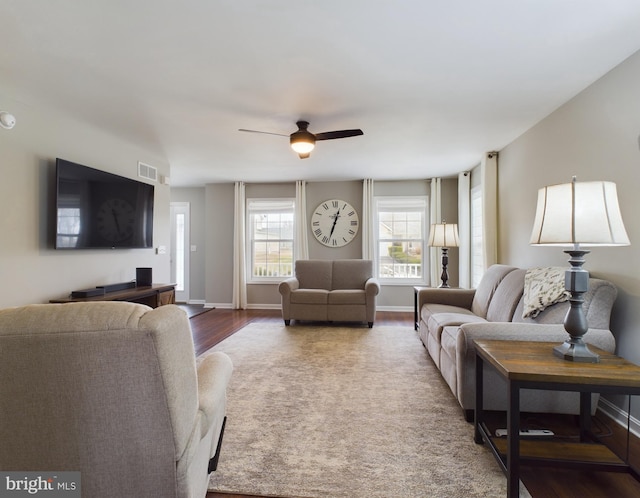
x: 506, y: 297
x: 433, y: 309
x: 487, y: 287
x: 438, y: 321
x: 314, y: 274
x: 347, y: 296
x: 351, y: 273
x: 309, y: 296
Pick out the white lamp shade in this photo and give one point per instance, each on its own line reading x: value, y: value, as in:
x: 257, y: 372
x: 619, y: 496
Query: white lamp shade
x: 444, y: 235
x: 585, y: 213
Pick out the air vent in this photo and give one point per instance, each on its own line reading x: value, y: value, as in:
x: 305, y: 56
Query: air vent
x: 148, y: 172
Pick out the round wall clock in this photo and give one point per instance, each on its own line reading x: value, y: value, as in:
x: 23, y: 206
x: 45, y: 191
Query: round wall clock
x: 334, y: 223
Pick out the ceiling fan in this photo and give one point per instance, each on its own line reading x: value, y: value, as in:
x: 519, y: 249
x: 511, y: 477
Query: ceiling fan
x: 303, y: 141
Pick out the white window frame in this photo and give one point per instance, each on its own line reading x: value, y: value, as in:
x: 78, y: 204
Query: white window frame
x: 255, y: 206
x: 417, y: 203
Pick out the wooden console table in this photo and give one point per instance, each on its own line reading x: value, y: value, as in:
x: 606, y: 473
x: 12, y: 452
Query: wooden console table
x: 532, y: 365
x: 154, y: 295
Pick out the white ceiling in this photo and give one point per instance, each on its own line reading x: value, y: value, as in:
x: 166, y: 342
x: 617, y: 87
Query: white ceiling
x: 432, y: 83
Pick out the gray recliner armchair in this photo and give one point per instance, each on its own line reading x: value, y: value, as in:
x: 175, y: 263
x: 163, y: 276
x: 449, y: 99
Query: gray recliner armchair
x: 112, y: 390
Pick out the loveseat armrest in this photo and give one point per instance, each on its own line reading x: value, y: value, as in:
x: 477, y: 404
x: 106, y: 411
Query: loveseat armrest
x: 287, y: 286
x: 371, y: 287
x: 462, y: 298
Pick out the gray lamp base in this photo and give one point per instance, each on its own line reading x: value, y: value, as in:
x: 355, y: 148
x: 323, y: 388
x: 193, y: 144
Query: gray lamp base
x: 578, y: 351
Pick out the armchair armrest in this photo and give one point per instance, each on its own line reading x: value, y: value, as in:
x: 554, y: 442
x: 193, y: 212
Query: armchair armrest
x: 371, y: 287
x: 286, y: 286
x: 214, y: 372
x: 463, y: 298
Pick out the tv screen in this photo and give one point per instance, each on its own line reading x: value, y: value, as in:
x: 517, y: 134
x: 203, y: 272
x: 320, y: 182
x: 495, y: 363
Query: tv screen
x: 98, y: 210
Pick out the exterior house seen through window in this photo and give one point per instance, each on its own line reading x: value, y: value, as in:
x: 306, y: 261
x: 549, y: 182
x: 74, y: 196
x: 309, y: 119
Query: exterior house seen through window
x: 400, y: 238
x: 270, y: 233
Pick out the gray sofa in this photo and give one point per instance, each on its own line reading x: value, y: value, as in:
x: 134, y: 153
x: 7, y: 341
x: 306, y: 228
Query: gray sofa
x: 339, y: 290
x: 450, y: 319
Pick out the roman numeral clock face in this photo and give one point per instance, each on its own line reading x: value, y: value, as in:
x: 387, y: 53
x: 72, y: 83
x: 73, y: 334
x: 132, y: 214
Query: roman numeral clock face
x: 334, y: 223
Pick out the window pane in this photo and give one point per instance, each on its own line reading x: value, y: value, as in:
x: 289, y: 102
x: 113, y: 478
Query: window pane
x: 401, y: 237
x: 270, y: 238
x: 68, y: 227
x: 179, y: 255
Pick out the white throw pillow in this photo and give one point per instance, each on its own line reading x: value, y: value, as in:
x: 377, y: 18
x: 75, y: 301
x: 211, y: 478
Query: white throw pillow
x: 542, y: 288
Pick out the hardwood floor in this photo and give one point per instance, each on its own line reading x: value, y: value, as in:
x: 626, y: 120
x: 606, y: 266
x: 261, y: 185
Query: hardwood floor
x: 211, y: 327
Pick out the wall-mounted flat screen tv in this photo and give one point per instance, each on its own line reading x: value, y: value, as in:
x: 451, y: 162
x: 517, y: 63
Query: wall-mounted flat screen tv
x: 98, y: 210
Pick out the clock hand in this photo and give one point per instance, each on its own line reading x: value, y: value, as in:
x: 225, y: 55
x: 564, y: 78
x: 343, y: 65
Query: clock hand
x: 115, y: 217
x: 335, y: 220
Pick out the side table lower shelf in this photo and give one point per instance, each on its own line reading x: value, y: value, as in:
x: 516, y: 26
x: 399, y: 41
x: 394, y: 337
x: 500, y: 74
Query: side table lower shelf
x: 533, y: 452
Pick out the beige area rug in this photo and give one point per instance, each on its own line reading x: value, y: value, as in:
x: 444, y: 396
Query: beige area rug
x: 319, y: 411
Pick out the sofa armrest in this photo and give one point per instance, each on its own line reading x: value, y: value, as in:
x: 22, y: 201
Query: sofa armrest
x: 466, y: 351
x: 462, y: 298
x: 214, y: 373
x: 288, y: 285
x: 371, y: 287
x: 600, y: 338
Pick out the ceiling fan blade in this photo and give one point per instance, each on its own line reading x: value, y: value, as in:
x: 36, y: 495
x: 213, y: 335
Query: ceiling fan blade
x: 263, y: 132
x: 330, y: 135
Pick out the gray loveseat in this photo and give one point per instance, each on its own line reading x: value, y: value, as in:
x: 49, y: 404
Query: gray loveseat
x: 450, y: 319
x: 339, y: 290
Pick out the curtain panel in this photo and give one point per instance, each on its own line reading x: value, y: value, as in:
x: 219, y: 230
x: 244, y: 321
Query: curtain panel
x: 239, y: 297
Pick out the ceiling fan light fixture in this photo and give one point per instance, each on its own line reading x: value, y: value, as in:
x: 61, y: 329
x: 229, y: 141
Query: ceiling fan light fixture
x: 302, y: 143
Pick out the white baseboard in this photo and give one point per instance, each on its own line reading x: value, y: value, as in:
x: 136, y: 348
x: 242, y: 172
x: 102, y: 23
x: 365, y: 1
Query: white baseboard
x: 256, y: 306
x: 196, y: 301
x: 397, y: 309
x: 224, y: 306
x: 264, y: 306
x: 620, y: 416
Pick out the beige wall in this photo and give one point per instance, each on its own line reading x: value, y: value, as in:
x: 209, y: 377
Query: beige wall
x: 30, y: 269
x: 217, y: 225
x: 595, y: 136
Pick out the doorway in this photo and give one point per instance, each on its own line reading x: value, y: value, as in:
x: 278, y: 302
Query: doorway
x: 179, y: 250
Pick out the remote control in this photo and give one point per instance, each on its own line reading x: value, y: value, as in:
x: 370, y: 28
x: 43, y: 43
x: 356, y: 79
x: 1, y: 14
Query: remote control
x: 530, y: 433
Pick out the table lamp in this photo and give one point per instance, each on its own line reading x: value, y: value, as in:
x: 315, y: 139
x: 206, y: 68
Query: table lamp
x: 578, y: 214
x: 444, y: 236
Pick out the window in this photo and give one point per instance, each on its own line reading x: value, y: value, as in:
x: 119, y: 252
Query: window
x: 400, y: 238
x: 477, y: 258
x: 270, y: 232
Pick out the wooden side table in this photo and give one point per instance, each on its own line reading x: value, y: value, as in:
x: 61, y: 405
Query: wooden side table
x: 532, y: 365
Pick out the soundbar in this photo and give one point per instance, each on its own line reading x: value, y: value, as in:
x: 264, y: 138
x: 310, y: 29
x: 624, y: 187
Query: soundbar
x: 117, y: 287
x: 98, y: 291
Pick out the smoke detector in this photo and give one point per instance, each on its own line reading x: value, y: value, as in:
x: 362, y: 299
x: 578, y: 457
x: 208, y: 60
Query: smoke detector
x: 7, y: 120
